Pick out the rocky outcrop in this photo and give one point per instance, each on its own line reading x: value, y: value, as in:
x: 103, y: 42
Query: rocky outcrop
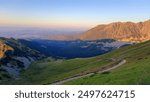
x: 4, y: 49
x: 15, y: 57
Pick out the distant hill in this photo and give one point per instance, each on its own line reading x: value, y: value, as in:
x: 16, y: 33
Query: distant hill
x: 122, y: 31
x: 64, y: 37
x: 39, y: 33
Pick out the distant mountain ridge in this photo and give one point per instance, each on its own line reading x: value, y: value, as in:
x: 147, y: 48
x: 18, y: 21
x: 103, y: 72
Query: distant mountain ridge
x: 122, y: 31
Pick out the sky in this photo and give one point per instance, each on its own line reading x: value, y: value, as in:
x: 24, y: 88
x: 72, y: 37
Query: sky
x: 71, y: 13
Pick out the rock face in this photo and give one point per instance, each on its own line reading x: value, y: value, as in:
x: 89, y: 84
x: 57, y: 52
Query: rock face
x: 15, y: 57
x: 122, y: 31
x: 4, y: 48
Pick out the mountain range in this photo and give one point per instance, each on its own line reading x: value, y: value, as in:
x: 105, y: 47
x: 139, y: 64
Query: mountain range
x: 122, y: 31
x: 105, y: 54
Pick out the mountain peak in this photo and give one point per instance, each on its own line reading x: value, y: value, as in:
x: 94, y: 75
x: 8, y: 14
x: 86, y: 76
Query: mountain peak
x: 148, y: 20
x: 123, y: 31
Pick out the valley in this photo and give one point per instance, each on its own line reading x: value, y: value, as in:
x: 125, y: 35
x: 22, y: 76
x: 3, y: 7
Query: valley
x: 73, y: 48
x: 134, y: 70
x: 21, y: 55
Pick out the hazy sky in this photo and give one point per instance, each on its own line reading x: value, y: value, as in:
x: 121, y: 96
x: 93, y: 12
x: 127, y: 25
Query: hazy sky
x: 71, y: 13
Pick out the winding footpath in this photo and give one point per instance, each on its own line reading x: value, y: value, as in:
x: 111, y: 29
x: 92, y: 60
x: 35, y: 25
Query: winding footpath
x: 89, y: 74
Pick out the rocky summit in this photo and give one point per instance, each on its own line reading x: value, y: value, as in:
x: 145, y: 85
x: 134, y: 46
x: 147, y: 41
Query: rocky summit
x: 122, y: 31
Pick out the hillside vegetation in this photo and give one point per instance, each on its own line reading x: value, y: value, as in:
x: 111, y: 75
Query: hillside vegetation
x: 135, y: 71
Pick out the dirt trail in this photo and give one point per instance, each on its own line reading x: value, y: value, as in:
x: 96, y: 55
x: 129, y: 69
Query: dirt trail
x: 89, y: 74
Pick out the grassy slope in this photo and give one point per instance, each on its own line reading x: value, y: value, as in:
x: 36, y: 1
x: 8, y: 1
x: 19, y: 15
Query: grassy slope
x: 47, y: 72
x: 135, y: 71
